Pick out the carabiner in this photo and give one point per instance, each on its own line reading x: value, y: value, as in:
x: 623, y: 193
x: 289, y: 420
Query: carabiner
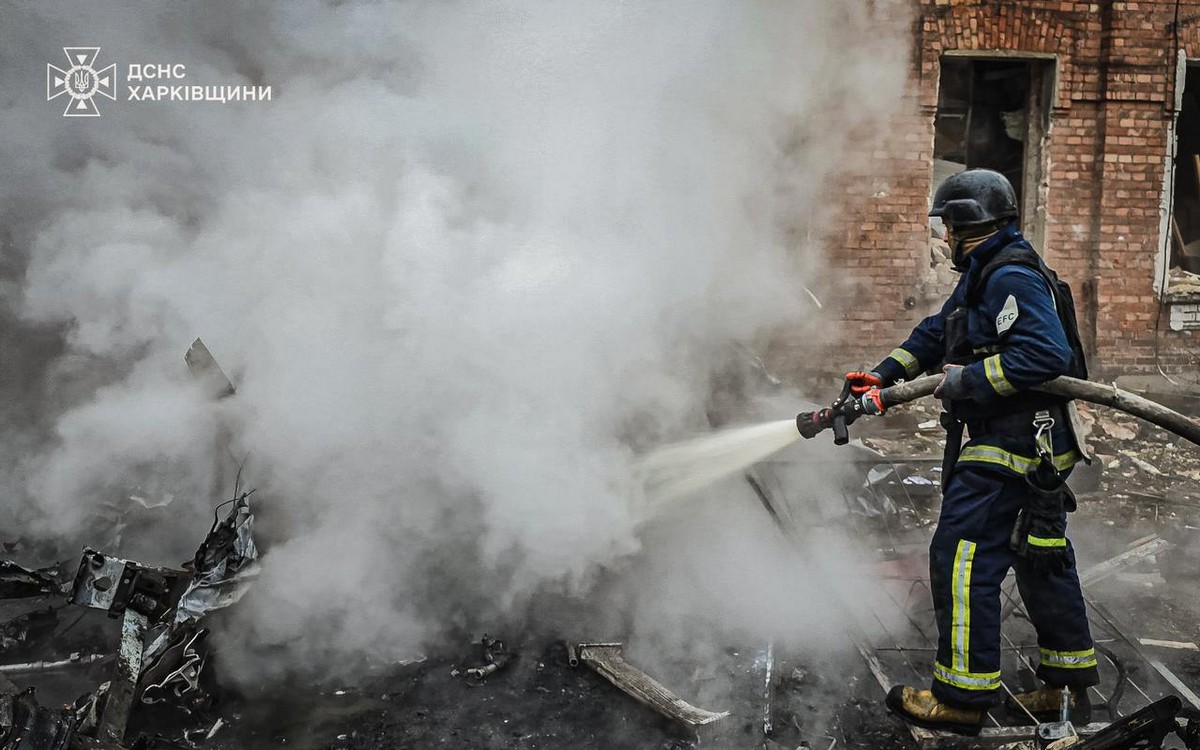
x: 1042, y: 437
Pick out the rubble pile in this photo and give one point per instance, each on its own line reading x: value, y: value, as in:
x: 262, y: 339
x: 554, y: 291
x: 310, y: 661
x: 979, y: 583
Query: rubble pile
x: 107, y: 653
x: 1181, y: 282
x: 160, y: 659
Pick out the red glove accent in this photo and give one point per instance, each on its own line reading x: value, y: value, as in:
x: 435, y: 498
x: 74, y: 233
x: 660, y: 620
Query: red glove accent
x: 861, y: 382
x: 872, y: 401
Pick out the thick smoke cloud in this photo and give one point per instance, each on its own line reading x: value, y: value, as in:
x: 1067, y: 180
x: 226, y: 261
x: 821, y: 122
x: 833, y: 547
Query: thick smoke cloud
x: 469, y: 260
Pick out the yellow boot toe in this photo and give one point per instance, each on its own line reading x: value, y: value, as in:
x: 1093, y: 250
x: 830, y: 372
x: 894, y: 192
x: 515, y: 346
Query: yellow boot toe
x: 922, y: 708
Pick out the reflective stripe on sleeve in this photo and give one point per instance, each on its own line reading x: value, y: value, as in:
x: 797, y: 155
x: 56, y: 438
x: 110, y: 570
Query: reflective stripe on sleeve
x: 1068, y: 659
x: 967, y: 680
x: 995, y: 376
x: 905, y: 359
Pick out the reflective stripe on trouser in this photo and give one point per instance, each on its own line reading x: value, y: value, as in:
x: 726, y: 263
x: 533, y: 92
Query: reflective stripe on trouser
x: 968, y: 560
x: 1069, y: 659
x: 960, y: 601
x: 967, y: 680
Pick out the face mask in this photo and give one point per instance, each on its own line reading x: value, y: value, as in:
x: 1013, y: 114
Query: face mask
x: 961, y: 247
x: 957, y: 256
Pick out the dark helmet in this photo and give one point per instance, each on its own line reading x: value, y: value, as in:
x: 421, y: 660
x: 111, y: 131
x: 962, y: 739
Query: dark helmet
x: 973, y: 198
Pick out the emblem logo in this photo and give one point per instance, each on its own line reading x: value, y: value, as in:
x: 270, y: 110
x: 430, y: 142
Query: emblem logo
x: 81, y: 82
x: 1008, y: 315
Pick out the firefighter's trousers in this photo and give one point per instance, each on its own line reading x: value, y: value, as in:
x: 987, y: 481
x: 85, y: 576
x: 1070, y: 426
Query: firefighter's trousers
x: 968, y: 560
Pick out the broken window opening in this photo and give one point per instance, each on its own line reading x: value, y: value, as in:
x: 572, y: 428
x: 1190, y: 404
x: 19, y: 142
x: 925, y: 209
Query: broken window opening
x: 1185, y: 191
x: 995, y: 114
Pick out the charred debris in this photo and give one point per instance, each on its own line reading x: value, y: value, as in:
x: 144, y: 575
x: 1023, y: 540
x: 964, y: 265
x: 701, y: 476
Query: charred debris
x: 160, y: 659
x: 150, y: 678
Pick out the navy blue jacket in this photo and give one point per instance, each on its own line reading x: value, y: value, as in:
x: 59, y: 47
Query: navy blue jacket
x: 1016, y: 332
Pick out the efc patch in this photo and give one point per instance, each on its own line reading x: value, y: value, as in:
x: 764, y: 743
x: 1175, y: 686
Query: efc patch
x: 1008, y: 315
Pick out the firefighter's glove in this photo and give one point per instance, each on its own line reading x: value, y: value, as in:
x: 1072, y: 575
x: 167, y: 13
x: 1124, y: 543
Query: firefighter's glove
x: 1045, y: 540
x: 860, y: 382
x: 953, y: 385
x: 872, y: 402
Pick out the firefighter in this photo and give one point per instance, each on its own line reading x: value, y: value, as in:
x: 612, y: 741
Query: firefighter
x: 1008, y: 325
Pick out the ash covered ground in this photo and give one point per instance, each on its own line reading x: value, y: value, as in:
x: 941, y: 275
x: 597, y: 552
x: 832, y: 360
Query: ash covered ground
x: 464, y: 262
x: 776, y: 696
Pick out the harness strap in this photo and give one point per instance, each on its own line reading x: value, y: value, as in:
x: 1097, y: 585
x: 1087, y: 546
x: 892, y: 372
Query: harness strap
x: 954, y: 434
x: 1022, y: 423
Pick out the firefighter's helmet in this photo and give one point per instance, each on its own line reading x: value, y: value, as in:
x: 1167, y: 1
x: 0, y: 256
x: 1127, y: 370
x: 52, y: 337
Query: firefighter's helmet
x: 974, y: 198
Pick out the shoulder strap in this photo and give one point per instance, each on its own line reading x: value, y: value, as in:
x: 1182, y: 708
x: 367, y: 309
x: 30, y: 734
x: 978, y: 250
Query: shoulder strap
x: 1060, y: 291
x: 1017, y: 253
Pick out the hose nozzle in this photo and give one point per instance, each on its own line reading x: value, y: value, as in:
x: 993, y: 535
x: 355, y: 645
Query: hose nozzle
x: 811, y: 423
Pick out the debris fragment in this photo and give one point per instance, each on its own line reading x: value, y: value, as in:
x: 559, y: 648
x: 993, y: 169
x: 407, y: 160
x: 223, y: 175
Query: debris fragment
x: 1140, y: 549
x: 17, y: 582
x: 114, y: 718
x: 205, y: 369
x: 495, y: 657
x: 1145, y: 728
x: 1142, y: 464
x: 116, y: 586
x: 1117, y: 430
x: 1059, y: 734
x: 28, y: 629
x: 216, y: 727
x: 224, y: 566
x: 606, y: 659
x: 175, y: 675
x: 1184, y: 282
x: 76, y: 659
x: 765, y: 662
x: 26, y: 725
x: 162, y: 650
x: 1182, y: 645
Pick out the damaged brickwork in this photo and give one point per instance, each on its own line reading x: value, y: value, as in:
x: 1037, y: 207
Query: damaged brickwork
x: 1103, y: 89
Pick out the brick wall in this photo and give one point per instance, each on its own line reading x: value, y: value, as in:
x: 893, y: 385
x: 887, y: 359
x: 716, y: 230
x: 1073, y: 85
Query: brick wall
x: 1105, y: 161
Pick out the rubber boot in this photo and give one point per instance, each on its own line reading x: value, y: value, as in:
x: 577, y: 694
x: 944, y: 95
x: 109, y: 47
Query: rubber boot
x: 920, y: 707
x: 1046, y: 705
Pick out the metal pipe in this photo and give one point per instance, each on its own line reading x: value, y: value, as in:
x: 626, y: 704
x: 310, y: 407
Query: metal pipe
x: 43, y: 666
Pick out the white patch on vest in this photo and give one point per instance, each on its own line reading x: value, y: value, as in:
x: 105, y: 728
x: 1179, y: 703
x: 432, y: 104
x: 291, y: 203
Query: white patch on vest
x: 1008, y: 315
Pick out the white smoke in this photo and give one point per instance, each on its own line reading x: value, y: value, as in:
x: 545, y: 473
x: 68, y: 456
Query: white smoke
x: 468, y: 260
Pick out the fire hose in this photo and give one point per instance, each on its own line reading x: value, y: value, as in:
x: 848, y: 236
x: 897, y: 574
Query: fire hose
x: 846, y: 409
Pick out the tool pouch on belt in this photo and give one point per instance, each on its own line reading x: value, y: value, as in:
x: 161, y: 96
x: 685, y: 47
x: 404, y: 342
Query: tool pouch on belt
x: 1039, y: 534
